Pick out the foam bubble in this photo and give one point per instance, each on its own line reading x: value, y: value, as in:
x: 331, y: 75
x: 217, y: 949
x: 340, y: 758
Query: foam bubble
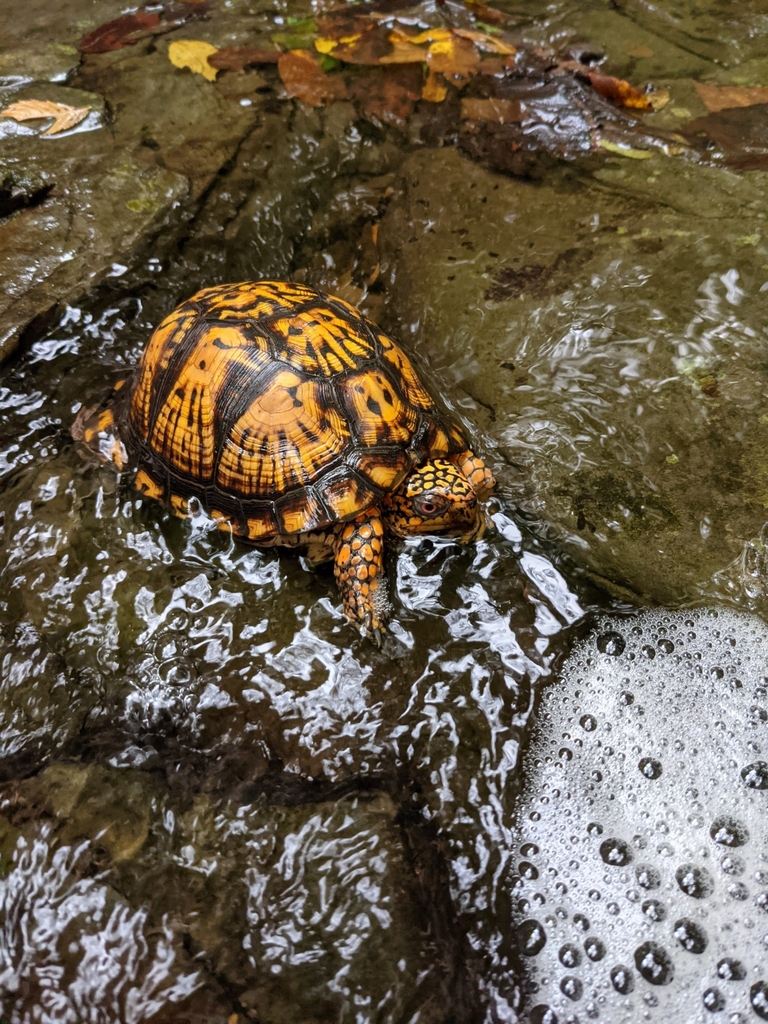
x: 642, y: 888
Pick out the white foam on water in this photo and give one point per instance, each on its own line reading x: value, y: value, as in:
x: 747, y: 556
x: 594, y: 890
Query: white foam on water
x: 641, y: 890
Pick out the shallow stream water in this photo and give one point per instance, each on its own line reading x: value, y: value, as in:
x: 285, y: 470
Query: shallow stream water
x: 219, y: 803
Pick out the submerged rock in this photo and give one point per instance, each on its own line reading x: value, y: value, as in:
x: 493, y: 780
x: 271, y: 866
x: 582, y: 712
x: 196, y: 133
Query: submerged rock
x: 312, y: 909
x: 641, y: 889
x: 606, y: 330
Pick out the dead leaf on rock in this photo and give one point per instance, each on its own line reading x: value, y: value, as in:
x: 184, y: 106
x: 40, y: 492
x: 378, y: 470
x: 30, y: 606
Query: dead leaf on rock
x: 455, y: 58
x: 129, y: 29
x: 64, y: 116
x: 434, y: 89
x: 235, y: 58
x: 727, y: 97
x: 115, y: 34
x: 490, y: 15
x: 387, y: 95
x: 193, y: 54
x: 614, y: 89
x: 305, y: 80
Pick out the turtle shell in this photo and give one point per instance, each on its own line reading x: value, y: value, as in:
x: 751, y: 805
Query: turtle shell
x: 280, y: 408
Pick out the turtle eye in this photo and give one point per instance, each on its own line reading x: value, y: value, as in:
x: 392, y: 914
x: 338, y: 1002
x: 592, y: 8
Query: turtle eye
x: 430, y: 505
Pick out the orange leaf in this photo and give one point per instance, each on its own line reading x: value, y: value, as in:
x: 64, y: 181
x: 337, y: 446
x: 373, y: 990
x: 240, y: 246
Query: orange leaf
x: 304, y: 79
x: 614, y: 89
x: 65, y: 117
x: 726, y: 97
x: 434, y: 89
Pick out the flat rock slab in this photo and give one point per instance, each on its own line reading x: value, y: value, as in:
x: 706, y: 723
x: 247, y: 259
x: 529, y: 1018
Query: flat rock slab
x: 606, y: 330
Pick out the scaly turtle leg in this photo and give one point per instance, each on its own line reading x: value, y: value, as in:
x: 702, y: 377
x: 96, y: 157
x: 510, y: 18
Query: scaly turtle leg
x: 476, y: 471
x: 359, y: 571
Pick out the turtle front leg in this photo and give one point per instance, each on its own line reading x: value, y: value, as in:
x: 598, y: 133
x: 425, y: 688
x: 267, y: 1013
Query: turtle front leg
x: 476, y: 471
x: 359, y: 571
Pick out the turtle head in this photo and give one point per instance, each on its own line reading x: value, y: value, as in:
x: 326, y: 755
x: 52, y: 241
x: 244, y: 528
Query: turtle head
x: 434, y: 498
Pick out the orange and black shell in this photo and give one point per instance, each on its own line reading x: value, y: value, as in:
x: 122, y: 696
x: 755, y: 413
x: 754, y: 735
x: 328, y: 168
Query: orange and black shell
x: 281, y: 409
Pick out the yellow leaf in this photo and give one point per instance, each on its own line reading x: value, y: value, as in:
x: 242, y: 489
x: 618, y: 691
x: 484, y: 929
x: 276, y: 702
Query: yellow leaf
x: 64, y: 116
x: 486, y: 42
x: 434, y: 89
x: 633, y: 154
x: 443, y: 45
x: 193, y: 54
x: 659, y: 98
x: 325, y: 45
x: 431, y: 35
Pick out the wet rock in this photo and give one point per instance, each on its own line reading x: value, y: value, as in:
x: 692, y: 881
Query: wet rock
x: 632, y: 423
x: 663, y: 874
x: 308, y: 910
x: 87, y: 205
x: 66, y: 940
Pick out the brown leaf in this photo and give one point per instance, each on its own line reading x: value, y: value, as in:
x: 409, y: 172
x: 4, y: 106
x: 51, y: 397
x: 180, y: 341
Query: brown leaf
x: 305, y: 80
x: 115, y: 34
x: 130, y: 28
x: 64, y: 116
x: 726, y: 97
x: 490, y: 15
x: 235, y: 58
x: 343, y: 24
x: 455, y: 58
x: 387, y: 95
x: 494, y: 109
x: 366, y: 47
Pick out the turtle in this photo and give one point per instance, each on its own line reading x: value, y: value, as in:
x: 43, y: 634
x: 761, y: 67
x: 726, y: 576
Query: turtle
x: 293, y: 420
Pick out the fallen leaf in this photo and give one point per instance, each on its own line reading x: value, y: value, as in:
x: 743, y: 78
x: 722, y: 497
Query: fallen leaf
x: 741, y: 135
x: 485, y: 42
x: 430, y: 35
x: 434, y: 89
x: 614, y: 89
x: 235, y: 58
x: 455, y: 58
x: 404, y: 53
x: 387, y: 95
x: 628, y: 151
x: 64, y: 116
x: 366, y: 47
x: 193, y: 54
x: 494, y: 109
x: 115, y: 34
x: 491, y: 15
x: 726, y: 97
x: 658, y: 98
x: 305, y: 80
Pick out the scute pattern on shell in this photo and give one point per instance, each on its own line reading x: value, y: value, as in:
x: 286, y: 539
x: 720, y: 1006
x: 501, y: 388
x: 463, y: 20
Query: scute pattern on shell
x: 281, y: 409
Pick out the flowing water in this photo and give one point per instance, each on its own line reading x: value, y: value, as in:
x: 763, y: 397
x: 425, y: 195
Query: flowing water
x: 218, y: 803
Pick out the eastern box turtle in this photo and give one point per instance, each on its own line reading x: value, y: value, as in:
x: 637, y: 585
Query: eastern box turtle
x: 293, y: 421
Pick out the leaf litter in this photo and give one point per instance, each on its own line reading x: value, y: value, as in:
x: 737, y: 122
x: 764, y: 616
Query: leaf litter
x: 467, y: 73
